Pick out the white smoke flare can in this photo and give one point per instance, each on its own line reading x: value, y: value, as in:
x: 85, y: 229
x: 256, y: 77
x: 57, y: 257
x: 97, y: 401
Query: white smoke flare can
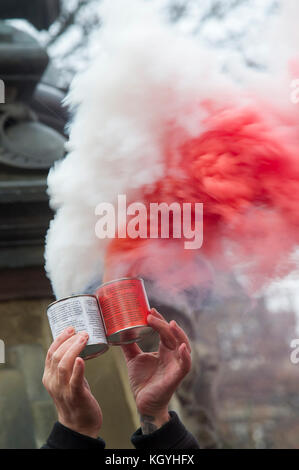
x: 83, y: 313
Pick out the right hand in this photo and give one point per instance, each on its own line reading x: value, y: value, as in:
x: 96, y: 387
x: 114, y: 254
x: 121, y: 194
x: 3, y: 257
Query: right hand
x: 64, y: 380
x: 155, y: 376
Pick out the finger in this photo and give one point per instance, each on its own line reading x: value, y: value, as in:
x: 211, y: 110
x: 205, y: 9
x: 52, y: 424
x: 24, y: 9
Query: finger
x: 67, y: 333
x: 163, y: 328
x: 130, y: 351
x: 156, y: 314
x: 66, y: 364
x: 59, y: 353
x: 180, y: 335
x: 182, y: 366
x: 85, y: 380
x: 175, y: 328
x: 184, y: 359
x: 77, y: 379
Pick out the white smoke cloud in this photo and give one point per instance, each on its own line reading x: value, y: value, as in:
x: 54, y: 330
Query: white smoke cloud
x: 283, y: 35
x: 142, y: 77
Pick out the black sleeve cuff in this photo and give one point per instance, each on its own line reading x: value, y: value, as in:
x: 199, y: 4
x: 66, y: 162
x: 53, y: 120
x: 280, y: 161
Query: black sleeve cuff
x: 62, y: 437
x: 172, y: 435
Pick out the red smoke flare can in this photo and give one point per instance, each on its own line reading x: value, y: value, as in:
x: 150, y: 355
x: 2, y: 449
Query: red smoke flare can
x: 124, y: 306
x: 83, y: 313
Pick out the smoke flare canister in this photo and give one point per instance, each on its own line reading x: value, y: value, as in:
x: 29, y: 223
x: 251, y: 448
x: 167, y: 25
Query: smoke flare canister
x: 83, y: 313
x: 124, y: 306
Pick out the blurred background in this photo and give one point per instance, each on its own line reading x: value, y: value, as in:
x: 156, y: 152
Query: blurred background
x: 243, y: 389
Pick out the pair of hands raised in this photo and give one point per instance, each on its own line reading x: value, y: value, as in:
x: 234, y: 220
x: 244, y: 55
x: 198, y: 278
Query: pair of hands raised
x: 153, y: 377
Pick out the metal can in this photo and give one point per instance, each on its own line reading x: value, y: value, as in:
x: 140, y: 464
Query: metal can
x: 83, y: 313
x: 124, y: 306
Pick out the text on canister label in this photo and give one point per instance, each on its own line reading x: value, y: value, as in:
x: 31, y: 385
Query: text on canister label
x: 123, y: 304
x: 81, y: 312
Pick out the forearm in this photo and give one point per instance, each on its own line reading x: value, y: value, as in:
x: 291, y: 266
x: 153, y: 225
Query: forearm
x: 62, y: 437
x: 171, y: 435
x: 150, y: 423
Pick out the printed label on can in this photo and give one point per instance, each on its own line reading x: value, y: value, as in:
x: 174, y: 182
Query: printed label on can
x: 123, y: 304
x: 82, y: 313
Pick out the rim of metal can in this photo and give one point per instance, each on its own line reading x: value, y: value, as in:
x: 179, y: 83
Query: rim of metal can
x: 105, y: 347
x: 71, y: 297
x: 121, y: 279
x: 135, y: 340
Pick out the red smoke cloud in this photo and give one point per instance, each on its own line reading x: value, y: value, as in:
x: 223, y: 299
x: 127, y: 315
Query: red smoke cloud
x: 244, y: 168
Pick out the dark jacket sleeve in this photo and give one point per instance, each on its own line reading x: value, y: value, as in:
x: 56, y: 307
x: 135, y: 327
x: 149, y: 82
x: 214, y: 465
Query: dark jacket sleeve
x: 172, y: 435
x: 62, y: 437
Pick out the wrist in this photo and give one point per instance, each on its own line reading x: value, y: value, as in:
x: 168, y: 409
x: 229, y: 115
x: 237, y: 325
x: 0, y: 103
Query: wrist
x: 150, y: 422
x: 86, y: 431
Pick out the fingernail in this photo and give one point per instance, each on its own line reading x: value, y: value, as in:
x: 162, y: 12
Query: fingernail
x: 70, y: 330
x: 83, y: 336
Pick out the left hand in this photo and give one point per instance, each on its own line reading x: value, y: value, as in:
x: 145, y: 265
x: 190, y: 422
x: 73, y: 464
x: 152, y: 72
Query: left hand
x: 154, y: 377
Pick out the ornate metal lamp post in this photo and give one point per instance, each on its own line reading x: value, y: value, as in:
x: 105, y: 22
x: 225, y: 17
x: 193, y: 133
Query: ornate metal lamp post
x: 31, y: 140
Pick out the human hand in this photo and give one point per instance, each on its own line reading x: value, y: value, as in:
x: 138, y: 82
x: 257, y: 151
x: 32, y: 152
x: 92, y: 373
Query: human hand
x: 155, y: 376
x: 64, y: 380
